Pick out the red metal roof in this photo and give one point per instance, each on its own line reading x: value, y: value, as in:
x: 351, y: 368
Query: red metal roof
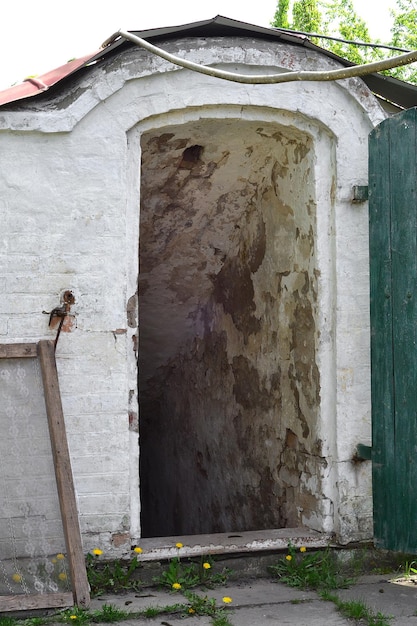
x: 37, y: 84
x: 33, y: 86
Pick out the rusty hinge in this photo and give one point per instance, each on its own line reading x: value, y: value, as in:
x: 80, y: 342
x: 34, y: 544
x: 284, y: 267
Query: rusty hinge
x: 363, y: 452
x: 61, y: 312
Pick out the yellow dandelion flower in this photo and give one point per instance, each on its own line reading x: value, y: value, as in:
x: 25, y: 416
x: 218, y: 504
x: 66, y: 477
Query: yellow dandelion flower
x: 17, y: 578
x: 60, y: 556
x: 289, y: 557
x: 227, y: 600
x: 191, y: 610
x: 137, y: 550
x: 97, y: 552
x: 176, y: 586
x: 62, y: 576
x: 179, y: 545
x: 54, y: 561
x: 303, y: 549
x: 206, y: 565
x: 73, y: 617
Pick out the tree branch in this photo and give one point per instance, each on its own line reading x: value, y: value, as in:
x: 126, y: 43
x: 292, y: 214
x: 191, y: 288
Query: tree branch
x: 262, y: 79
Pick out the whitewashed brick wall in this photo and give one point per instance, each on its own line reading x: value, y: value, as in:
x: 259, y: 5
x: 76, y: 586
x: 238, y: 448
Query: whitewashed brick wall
x: 69, y: 207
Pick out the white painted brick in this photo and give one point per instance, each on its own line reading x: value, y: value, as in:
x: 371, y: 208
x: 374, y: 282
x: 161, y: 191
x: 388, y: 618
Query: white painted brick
x: 31, y: 244
x: 80, y: 345
x: 11, y: 304
x: 98, y: 444
x: 100, y: 484
x: 100, y: 464
x: 45, y: 283
x: 95, y: 524
x: 113, y: 504
x: 30, y: 327
x: 109, y: 424
x: 104, y: 381
x: 70, y: 213
x: 14, y: 263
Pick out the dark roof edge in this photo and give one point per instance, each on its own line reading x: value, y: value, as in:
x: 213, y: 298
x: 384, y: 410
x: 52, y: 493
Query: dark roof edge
x: 393, y: 90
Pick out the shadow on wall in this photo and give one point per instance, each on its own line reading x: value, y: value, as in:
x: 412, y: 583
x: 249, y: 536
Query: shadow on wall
x: 228, y: 383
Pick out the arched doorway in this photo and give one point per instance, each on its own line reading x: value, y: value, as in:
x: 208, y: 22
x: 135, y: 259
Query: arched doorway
x: 228, y: 382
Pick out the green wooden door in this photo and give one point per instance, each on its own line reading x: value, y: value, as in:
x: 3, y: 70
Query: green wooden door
x: 393, y: 286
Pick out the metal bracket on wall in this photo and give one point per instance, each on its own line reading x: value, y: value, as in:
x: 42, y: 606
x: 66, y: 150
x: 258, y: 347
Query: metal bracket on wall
x: 360, y: 194
x: 363, y: 452
x: 61, y: 311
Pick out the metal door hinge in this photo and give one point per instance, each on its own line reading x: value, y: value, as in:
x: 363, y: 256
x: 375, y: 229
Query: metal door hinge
x: 363, y: 452
x: 360, y: 194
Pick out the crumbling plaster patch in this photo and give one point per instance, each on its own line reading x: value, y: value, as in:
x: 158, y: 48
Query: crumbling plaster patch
x: 227, y: 308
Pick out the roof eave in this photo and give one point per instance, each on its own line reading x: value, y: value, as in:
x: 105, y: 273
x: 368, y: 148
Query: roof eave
x: 398, y: 92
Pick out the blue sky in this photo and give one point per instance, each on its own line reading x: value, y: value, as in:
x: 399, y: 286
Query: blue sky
x: 38, y: 36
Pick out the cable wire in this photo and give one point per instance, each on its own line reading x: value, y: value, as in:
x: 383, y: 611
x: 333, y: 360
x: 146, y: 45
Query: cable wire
x: 347, y: 41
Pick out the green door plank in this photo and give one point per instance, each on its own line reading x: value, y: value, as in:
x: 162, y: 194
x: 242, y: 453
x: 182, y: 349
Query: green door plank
x: 393, y: 272
x: 404, y: 272
x: 382, y: 380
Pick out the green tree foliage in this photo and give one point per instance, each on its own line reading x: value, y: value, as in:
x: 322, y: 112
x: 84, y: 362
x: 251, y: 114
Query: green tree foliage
x: 281, y: 14
x: 307, y: 16
x: 341, y: 18
x: 404, y: 35
x: 338, y: 18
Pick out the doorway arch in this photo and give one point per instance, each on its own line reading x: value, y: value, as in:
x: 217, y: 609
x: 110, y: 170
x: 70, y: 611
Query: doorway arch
x: 229, y: 388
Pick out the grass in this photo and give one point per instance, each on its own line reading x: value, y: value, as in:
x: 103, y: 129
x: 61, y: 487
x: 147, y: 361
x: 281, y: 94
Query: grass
x: 195, y: 604
x: 357, y: 610
x: 118, y: 576
x: 316, y: 570
x: 115, y: 576
x: 319, y: 571
x: 191, y: 574
x: 108, y: 614
x: 410, y: 569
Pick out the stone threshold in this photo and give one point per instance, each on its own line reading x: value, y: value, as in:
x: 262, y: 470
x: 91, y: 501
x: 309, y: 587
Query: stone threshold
x: 244, y: 543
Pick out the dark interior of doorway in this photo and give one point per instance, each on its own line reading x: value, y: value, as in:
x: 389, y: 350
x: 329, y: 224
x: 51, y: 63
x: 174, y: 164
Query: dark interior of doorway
x: 228, y: 382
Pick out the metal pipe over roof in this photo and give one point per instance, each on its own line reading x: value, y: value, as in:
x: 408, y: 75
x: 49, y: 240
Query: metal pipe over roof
x: 393, y: 90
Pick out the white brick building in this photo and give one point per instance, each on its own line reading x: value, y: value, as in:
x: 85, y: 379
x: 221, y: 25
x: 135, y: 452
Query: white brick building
x: 251, y: 323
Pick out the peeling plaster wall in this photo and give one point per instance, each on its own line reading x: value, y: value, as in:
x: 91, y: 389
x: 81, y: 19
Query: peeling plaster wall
x: 230, y: 388
x: 70, y: 220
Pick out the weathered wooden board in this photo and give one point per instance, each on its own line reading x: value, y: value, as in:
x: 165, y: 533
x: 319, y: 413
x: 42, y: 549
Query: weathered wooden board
x: 29, y: 603
x: 63, y: 473
x: 18, y: 350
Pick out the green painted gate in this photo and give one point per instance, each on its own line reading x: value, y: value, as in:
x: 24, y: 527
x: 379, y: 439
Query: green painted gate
x: 393, y: 286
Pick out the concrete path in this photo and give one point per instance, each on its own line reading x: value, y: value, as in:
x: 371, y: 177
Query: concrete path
x: 262, y: 602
